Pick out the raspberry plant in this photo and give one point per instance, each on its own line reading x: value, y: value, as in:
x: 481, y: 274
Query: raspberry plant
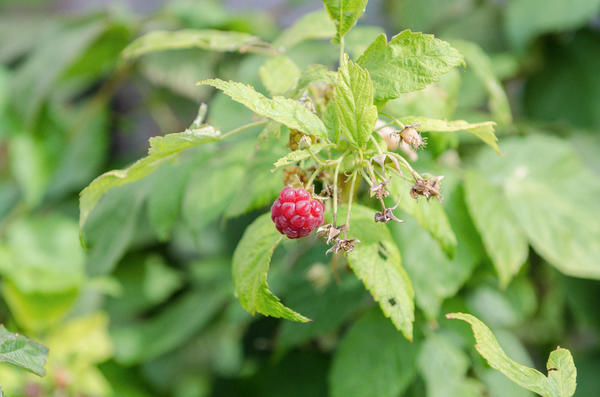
x: 349, y: 160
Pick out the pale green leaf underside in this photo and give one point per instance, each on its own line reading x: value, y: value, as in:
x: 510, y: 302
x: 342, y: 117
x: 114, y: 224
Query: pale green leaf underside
x: 22, y: 351
x: 409, y: 62
x: 298, y: 155
x: 504, y: 240
x: 286, y: 111
x: 344, y: 13
x: 483, y: 130
x: 562, y: 374
x: 251, y: 261
x: 355, y: 112
x: 215, y: 40
x: 162, y: 148
x: 315, y: 25
x: 376, y: 262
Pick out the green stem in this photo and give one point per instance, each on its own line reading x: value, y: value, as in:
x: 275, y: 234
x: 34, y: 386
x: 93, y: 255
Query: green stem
x: 376, y: 144
x: 389, y: 116
x: 406, y: 164
x: 243, y: 128
x: 350, y: 198
x: 313, y: 176
x: 314, y: 156
x: 335, y: 189
x: 341, y: 51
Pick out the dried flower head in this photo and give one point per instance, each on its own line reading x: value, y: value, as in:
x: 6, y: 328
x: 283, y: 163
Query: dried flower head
x: 428, y: 187
x: 386, y: 216
x: 330, y: 232
x: 296, y: 136
x: 379, y: 189
x: 343, y: 245
x: 411, y: 136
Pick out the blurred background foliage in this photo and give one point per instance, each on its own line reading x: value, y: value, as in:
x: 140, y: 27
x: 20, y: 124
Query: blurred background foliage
x: 147, y: 308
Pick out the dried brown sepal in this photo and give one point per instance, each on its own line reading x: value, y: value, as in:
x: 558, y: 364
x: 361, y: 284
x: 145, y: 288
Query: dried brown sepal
x: 330, y: 232
x: 428, y: 187
x: 386, y: 216
x: 343, y: 246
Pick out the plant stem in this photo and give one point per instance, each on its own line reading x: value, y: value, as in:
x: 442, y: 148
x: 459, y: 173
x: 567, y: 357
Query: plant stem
x: 350, y: 198
x: 335, y: 189
x: 376, y: 144
x: 243, y: 128
x: 406, y: 164
x: 313, y: 176
x: 314, y: 156
x: 341, y: 51
x: 389, y: 116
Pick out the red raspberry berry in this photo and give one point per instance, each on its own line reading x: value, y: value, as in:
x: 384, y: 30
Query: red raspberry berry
x: 295, y: 214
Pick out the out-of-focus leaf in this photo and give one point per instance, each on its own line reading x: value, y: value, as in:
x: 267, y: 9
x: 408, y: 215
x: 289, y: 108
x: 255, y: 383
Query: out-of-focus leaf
x: 376, y: 261
x: 355, y: 112
x: 444, y: 367
x: 562, y: 374
x: 314, y: 25
x: 279, y: 74
x: 429, y: 213
x: 503, y: 238
x: 283, y: 110
x: 251, y: 261
x: 372, y: 359
x: 526, y: 19
x: 359, y: 39
x: 19, y: 350
x: 344, y: 14
x: 409, y: 62
x: 162, y: 148
x: 482, y: 66
x: 484, y: 130
x: 215, y: 40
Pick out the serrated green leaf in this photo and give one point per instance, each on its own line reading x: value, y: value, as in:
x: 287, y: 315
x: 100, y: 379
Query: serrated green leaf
x: 214, y: 40
x: 162, y: 148
x: 314, y: 25
x: 429, y: 213
x: 409, y: 62
x: 251, y: 261
x: 503, y: 238
x: 283, y: 110
x: 353, y: 100
x: 483, y: 130
x: 561, y: 379
x: 482, y: 66
x: 302, y: 154
x: 376, y: 262
x: 279, y: 74
x: 344, y: 13
x: 362, y: 367
x: 23, y: 352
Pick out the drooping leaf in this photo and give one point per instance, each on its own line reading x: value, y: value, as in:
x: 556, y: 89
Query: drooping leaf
x: 314, y: 25
x: 484, y: 130
x: 409, y: 62
x: 362, y: 367
x: 162, y: 148
x: 429, y: 213
x: 302, y: 154
x: 482, y: 66
x: 376, y: 262
x: 550, y: 16
x: 562, y: 374
x: 215, y: 40
x: 353, y: 100
x: 503, y: 238
x: 279, y: 74
x: 344, y: 13
x: 283, y: 110
x: 251, y: 261
x: 22, y: 351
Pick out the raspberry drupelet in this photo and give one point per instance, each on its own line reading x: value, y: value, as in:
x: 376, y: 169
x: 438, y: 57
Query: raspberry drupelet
x: 295, y: 214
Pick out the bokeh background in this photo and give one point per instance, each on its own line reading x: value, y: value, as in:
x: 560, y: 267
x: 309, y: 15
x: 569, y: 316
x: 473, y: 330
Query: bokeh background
x: 148, y: 310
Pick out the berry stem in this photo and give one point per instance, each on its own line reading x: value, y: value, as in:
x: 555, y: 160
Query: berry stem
x: 313, y: 176
x: 335, y: 187
x: 314, y: 156
x: 242, y: 128
x: 350, y: 198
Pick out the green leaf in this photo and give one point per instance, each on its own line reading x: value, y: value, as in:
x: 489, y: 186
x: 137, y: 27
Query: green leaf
x: 376, y: 262
x: 283, y: 110
x: 484, y: 130
x: 251, y: 261
x: 23, y: 352
x: 561, y: 379
x: 214, y: 40
x: 303, y: 154
x: 409, y: 62
x: 550, y: 16
x: 162, y: 149
x: 503, y: 238
x: 279, y: 74
x: 429, y: 213
x: 353, y: 101
x: 344, y: 14
x: 314, y: 25
x: 372, y: 360
x: 482, y: 66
